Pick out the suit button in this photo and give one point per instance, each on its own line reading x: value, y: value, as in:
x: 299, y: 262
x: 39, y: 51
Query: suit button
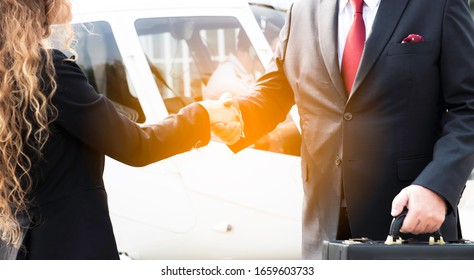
x: 347, y: 116
x: 338, y: 161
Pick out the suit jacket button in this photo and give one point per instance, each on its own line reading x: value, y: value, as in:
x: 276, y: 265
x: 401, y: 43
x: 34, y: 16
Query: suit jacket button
x: 347, y: 116
x: 338, y: 160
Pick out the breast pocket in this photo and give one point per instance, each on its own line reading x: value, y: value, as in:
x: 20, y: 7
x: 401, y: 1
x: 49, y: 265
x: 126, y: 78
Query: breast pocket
x: 411, y: 48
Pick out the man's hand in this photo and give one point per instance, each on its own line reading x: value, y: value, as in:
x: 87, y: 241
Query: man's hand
x: 225, y: 118
x: 426, y: 209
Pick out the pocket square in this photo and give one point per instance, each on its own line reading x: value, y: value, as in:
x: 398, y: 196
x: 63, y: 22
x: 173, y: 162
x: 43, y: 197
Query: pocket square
x: 413, y: 38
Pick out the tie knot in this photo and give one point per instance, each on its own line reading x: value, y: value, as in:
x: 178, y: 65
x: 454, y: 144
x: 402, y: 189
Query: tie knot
x: 358, y: 5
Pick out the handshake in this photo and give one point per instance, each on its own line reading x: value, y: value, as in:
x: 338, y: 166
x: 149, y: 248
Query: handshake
x: 225, y: 118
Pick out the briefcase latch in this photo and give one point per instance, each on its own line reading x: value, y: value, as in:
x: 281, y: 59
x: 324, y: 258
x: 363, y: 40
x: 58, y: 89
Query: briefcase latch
x: 436, y: 239
x: 391, y: 240
x: 361, y: 240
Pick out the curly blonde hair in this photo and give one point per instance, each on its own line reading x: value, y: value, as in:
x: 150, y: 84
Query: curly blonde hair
x: 26, y: 109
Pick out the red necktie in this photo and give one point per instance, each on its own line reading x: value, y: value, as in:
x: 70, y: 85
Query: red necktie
x: 354, y: 46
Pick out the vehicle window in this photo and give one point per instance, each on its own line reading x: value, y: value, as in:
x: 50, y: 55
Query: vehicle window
x: 100, y: 59
x: 197, y: 58
x: 270, y: 20
x: 184, y: 53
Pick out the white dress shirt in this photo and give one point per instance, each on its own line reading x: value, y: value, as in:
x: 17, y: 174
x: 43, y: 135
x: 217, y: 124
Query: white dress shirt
x: 346, y: 16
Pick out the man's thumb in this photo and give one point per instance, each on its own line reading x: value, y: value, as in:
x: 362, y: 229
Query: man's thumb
x: 399, y: 202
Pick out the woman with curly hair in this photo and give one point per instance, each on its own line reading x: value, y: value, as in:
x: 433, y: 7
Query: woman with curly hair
x: 55, y: 131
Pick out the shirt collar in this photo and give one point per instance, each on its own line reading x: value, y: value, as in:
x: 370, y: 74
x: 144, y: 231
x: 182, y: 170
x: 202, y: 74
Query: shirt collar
x: 372, y: 4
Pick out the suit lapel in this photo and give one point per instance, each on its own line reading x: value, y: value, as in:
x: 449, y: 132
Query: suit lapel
x: 327, y: 15
x: 385, y: 22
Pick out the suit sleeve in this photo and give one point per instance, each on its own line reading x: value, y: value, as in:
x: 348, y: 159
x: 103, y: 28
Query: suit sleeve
x: 270, y: 100
x: 453, y: 156
x: 93, y: 119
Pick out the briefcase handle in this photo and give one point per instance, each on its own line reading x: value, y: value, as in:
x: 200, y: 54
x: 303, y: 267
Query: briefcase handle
x: 394, y: 233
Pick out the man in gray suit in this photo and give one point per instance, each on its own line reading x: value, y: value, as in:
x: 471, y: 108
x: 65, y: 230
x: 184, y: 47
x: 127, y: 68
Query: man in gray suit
x: 398, y: 133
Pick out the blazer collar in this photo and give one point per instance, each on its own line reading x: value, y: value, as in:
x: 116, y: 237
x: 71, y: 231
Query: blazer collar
x: 327, y: 29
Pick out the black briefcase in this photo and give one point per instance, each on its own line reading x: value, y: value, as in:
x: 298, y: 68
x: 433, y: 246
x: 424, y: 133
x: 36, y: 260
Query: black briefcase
x: 394, y: 248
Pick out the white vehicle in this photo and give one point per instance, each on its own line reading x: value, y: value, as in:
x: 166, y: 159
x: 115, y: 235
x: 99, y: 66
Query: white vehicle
x: 151, y: 58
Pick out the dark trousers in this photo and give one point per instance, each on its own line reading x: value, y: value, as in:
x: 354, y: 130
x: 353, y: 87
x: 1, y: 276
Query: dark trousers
x: 343, y: 229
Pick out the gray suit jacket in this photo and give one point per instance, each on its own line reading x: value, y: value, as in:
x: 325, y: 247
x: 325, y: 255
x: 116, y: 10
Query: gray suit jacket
x: 409, y: 118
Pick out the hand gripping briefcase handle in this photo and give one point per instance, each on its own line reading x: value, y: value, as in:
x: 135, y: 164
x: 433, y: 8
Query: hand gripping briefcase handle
x: 394, y: 233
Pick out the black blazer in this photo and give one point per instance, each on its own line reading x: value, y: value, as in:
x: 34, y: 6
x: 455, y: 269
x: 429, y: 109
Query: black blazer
x: 69, y: 201
x: 409, y: 118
